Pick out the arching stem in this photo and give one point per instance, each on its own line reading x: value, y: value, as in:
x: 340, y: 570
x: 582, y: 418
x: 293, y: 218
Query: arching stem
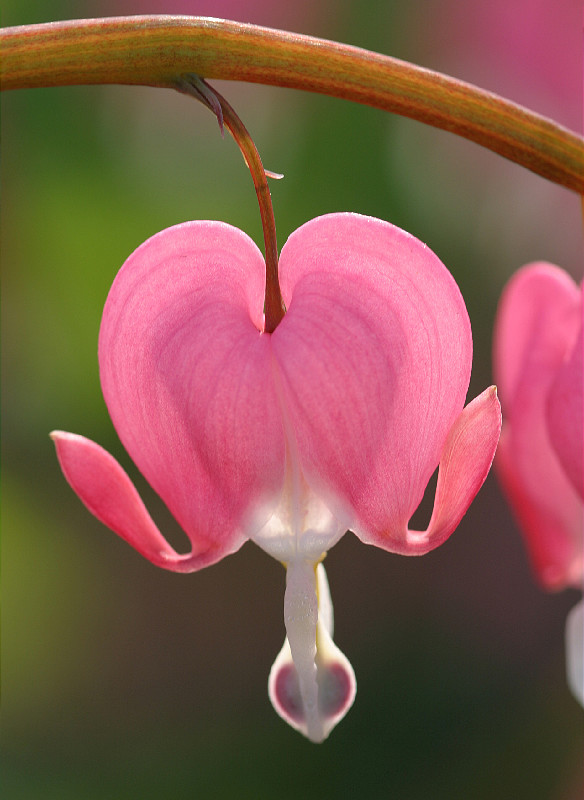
x: 156, y: 50
x: 197, y: 87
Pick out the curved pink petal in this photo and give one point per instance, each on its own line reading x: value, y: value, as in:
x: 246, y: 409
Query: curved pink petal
x: 374, y: 356
x: 550, y: 530
x: 565, y: 416
x: 187, y: 377
x: 536, y: 328
x: 537, y: 324
x: 108, y: 493
x: 464, y: 464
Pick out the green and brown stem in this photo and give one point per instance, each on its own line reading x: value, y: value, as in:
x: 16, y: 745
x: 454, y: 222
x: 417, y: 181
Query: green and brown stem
x: 157, y: 50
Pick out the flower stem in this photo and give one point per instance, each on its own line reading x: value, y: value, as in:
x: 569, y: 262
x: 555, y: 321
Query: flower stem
x: 226, y: 115
x: 157, y: 50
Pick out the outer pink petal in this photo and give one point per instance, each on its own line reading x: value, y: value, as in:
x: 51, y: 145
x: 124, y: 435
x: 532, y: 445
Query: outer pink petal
x: 537, y: 324
x: 375, y: 355
x: 108, y: 493
x: 465, y: 462
x: 187, y: 377
x: 536, y: 328
x: 551, y: 530
x: 565, y: 416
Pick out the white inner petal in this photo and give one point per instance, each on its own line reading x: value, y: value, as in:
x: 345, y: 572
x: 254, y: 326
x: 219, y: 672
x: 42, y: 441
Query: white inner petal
x: 314, y: 693
x: 575, y: 651
x: 311, y: 684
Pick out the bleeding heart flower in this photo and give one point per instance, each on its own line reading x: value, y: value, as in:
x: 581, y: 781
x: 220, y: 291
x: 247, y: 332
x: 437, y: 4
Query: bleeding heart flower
x: 336, y: 420
x: 538, y: 367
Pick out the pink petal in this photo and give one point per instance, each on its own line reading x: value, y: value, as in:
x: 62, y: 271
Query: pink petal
x: 550, y: 529
x: 536, y: 329
x: 537, y: 324
x: 108, y: 493
x: 187, y: 377
x: 465, y: 462
x: 375, y: 356
x: 565, y: 416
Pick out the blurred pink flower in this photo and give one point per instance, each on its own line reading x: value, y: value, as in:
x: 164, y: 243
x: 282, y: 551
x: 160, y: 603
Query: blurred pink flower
x: 336, y: 420
x: 538, y: 368
x: 527, y: 50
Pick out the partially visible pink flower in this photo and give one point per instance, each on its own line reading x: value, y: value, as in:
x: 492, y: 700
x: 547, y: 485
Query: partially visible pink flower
x: 538, y: 369
x: 336, y: 420
x: 527, y: 50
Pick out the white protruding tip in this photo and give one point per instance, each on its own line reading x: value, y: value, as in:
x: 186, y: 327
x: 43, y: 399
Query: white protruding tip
x: 575, y: 651
x: 313, y: 691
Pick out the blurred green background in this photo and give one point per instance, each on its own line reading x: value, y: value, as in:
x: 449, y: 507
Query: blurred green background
x: 123, y: 681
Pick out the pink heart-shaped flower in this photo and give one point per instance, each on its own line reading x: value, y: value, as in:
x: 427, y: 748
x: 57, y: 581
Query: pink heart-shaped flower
x: 335, y: 420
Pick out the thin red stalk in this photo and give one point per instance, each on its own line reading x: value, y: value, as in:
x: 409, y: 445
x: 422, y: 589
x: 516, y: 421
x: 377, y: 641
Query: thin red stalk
x: 273, y: 306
